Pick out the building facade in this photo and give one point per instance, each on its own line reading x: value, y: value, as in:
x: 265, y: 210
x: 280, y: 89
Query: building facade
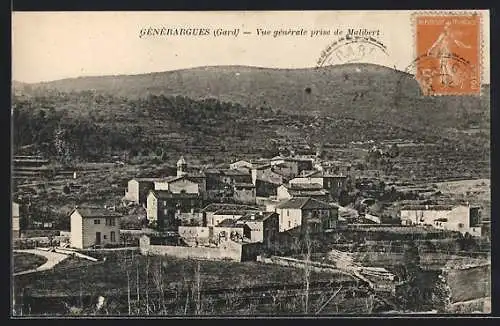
x: 461, y: 218
x: 138, y: 189
x: 301, y: 211
x: 313, y: 190
x: 93, y: 226
x: 244, y: 193
x: 163, y: 206
x: 262, y: 227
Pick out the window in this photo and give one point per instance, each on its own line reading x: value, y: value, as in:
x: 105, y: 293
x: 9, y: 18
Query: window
x: 97, y: 221
x: 110, y: 221
x: 165, y: 211
x: 113, y: 237
x: 460, y: 225
x: 287, y: 212
x: 164, y: 203
x: 105, y: 237
x: 289, y: 223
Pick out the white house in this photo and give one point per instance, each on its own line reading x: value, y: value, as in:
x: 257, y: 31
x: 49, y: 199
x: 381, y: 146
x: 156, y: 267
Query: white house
x: 461, y: 218
x: 138, y: 189
x: 177, y: 185
x: 297, y: 211
x: 94, y: 226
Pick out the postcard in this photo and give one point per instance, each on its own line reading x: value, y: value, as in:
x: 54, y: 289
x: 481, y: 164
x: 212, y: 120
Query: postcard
x: 250, y: 163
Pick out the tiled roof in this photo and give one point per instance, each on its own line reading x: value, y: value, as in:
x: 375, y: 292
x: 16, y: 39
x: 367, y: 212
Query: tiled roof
x: 165, y: 194
x: 305, y: 203
x: 244, y: 185
x: 303, y: 186
x: 306, y: 193
x: 235, y: 172
x: 233, y: 211
x: 257, y: 217
x: 262, y: 166
x: 148, y: 179
x: 427, y: 208
x: 216, y: 207
x: 227, y: 223
x: 90, y: 212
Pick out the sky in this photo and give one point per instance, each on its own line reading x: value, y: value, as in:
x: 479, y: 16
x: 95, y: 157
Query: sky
x: 55, y: 45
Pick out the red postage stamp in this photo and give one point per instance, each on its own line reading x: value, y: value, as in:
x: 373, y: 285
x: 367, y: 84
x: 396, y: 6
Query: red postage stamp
x: 448, y: 53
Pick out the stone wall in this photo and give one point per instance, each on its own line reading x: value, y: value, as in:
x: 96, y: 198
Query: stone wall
x: 227, y: 250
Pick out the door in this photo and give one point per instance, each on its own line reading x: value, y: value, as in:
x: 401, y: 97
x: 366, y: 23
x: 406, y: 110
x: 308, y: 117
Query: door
x: 98, y: 238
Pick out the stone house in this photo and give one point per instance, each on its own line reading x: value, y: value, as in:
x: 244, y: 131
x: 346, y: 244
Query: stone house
x: 241, y: 165
x: 267, y: 174
x: 295, y: 164
x: 244, y: 193
x: 177, y: 185
x: 94, y: 226
x: 163, y: 206
x: 262, y: 227
x: 461, y: 218
x: 138, y: 189
x: 334, y: 184
x: 300, y: 211
x: 313, y: 190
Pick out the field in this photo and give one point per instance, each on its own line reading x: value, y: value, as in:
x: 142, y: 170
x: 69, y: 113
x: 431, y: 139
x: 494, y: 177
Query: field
x: 25, y: 261
x: 70, y: 275
x: 219, y: 280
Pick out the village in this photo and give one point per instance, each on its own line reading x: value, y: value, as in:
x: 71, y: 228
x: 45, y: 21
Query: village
x: 284, y: 211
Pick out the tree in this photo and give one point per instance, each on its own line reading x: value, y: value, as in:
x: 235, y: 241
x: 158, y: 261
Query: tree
x: 409, y: 293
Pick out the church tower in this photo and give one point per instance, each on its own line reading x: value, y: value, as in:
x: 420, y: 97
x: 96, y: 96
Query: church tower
x: 181, y: 167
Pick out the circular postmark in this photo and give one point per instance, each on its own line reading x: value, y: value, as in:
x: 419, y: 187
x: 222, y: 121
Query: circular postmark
x: 448, y: 74
x: 349, y: 49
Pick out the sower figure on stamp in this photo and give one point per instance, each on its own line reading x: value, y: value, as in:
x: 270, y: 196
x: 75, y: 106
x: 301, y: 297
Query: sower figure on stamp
x: 441, y: 50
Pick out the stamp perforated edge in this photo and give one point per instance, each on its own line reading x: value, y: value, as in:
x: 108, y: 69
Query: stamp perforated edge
x: 417, y: 13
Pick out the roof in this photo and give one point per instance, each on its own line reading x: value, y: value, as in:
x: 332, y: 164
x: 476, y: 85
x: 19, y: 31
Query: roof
x: 307, y: 193
x: 148, y: 179
x: 212, y: 171
x: 233, y: 212
x: 217, y: 206
x: 227, y: 223
x: 262, y: 166
x: 195, y: 175
x: 235, y: 172
x: 296, y: 159
x: 303, y: 186
x: 244, y: 185
x: 165, y: 194
x: 427, y: 208
x: 304, y: 203
x: 173, y: 178
x: 242, y: 161
x: 256, y: 217
x: 91, y: 212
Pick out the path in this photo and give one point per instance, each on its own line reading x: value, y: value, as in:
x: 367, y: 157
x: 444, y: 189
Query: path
x: 53, y: 258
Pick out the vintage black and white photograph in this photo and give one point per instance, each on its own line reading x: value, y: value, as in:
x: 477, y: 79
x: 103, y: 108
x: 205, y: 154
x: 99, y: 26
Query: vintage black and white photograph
x: 250, y: 163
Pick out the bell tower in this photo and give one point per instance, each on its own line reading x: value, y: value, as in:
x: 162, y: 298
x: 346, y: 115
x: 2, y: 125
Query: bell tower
x: 181, y: 167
